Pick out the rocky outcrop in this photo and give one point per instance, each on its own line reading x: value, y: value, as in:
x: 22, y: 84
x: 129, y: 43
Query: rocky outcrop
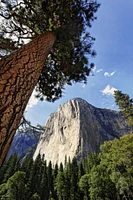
x: 24, y: 143
x: 78, y: 128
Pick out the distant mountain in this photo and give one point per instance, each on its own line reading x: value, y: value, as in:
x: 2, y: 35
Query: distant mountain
x: 78, y: 128
x: 24, y: 143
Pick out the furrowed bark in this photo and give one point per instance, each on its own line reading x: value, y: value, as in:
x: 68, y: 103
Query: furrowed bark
x: 19, y: 73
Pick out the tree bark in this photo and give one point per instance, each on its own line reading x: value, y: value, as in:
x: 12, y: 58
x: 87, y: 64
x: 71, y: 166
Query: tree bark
x: 19, y: 73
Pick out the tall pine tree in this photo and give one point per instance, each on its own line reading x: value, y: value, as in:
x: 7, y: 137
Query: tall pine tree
x: 57, y: 55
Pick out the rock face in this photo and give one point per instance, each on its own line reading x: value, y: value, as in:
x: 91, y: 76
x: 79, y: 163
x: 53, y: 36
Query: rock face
x: 24, y: 144
x: 78, y: 128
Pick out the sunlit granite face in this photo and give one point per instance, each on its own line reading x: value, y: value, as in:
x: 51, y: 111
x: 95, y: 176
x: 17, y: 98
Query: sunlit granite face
x: 76, y: 129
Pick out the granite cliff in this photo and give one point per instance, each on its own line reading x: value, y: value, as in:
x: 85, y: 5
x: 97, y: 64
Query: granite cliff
x: 78, y: 128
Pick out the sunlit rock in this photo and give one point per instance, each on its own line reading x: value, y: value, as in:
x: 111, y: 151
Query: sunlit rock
x: 78, y: 128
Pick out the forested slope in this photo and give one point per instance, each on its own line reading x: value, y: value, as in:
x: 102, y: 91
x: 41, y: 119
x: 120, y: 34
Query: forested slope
x: 108, y: 175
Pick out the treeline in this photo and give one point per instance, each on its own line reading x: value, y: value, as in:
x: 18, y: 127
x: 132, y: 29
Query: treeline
x: 104, y: 176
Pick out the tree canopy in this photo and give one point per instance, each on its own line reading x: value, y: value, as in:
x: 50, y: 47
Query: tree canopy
x: 70, y: 20
x: 117, y: 158
x: 108, y: 176
x: 125, y: 104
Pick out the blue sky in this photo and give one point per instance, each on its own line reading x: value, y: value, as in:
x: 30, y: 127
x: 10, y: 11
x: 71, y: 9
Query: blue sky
x: 113, y: 70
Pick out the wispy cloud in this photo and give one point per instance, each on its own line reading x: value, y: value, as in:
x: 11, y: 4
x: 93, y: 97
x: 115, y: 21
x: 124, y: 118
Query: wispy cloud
x: 93, y: 70
x: 108, y: 90
x: 99, y: 70
x: 33, y: 100
x: 83, y: 85
x: 107, y: 74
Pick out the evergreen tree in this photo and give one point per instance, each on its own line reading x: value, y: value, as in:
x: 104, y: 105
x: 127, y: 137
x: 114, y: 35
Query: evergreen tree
x: 15, y: 187
x: 92, y: 160
x: 74, y: 192
x: 68, y: 174
x: 35, y: 197
x: 62, y: 27
x: 110, y: 176
x: 125, y: 104
x: 81, y: 171
x: 50, y: 179
x: 84, y: 186
x: 35, y: 176
x: 44, y: 189
x: 3, y: 170
x: 61, y: 186
x: 13, y: 165
x: 55, y: 173
x: 27, y: 165
x: 101, y: 186
x: 117, y: 158
x: 61, y: 167
x: 3, y: 191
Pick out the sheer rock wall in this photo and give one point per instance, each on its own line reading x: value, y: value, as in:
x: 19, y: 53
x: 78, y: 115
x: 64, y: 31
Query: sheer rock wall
x: 78, y: 128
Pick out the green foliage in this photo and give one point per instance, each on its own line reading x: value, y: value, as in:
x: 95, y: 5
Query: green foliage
x: 13, y: 161
x: 117, y: 156
x: 61, y: 186
x: 35, y: 175
x: 125, y: 104
x: 74, y: 180
x: 101, y: 186
x: 104, y: 176
x: 84, y: 185
x: 35, y: 197
x: 70, y: 21
x: 50, y: 178
x: 3, y: 190
x: 15, y: 188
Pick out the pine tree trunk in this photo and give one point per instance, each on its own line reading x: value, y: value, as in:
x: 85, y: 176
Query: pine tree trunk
x: 19, y: 73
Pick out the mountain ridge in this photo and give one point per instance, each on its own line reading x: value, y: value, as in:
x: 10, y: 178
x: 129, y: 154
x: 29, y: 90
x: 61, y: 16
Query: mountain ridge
x: 24, y: 143
x: 78, y: 128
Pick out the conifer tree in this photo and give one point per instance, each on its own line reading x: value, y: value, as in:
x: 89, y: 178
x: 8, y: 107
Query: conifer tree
x: 16, y: 187
x: 67, y: 175
x: 60, y: 28
x: 44, y: 189
x: 27, y: 165
x: 81, y: 171
x: 55, y: 171
x: 74, y: 181
x: 84, y: 186
x: 35, y: 175
x: 100, y: 185
x: 125, y: 104
x: 13, y: 165
x: 35, y: 197
x: 117, y: 158
x: 50, y: 179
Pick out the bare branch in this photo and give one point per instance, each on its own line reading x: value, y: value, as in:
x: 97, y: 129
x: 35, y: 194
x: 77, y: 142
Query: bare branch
x: 26, y: 122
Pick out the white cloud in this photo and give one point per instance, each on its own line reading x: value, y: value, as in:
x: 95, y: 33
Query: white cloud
x: 83, y: 85
x: 108, y: 90
x: 32, y: 101
x: 107, y: 74
x: 93, y: 69
x: 99, y: 70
